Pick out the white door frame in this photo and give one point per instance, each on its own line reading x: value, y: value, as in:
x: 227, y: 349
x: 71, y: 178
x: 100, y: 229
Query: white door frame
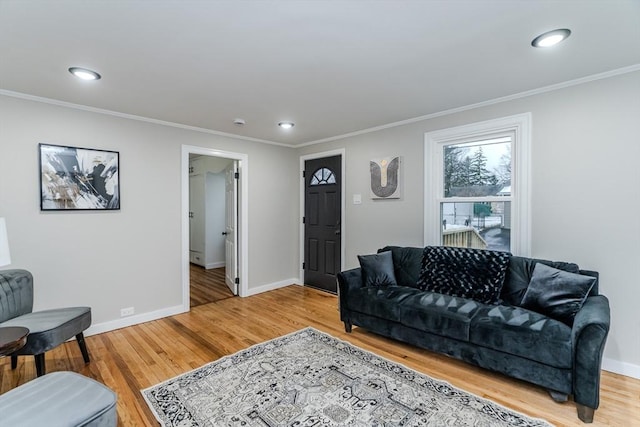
x: 343, y: 235
x: 243, y: 220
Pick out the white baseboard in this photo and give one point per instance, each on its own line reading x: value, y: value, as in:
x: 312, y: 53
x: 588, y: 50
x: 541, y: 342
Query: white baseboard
x: 218, y: 264
x: 271, y: 286
x: 622, y: 368
x: 112, y: 325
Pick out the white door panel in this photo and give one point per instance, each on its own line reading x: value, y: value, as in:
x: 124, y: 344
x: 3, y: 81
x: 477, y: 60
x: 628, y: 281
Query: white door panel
x: 231, y: 229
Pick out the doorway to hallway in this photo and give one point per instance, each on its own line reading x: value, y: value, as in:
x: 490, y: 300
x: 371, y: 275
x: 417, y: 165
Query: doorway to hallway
x: 214, y: 225
x: 213, y: 216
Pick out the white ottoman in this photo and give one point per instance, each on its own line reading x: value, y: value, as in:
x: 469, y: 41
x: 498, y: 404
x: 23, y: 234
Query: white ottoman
x: 59, y: 399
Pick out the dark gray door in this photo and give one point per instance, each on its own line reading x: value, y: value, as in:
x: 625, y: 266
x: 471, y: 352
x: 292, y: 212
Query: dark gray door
x: 322, y: 230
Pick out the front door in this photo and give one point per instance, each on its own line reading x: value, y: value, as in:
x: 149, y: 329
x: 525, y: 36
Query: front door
x: 322, y: 228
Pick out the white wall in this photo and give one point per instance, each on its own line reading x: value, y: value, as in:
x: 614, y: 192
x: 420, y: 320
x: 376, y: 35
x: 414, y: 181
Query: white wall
x: 131, y: 257
x: 585, y: 190
x: 585, y: 199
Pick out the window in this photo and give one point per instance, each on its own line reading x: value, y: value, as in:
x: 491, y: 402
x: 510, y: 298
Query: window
x: 477, y: 186
x: 323, y: 176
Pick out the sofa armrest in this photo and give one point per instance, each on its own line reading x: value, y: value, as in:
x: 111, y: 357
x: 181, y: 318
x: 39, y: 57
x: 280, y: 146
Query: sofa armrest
x: 588, y: 336
x: 347, y: 280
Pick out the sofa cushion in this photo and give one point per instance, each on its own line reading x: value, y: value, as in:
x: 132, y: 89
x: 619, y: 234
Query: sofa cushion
x: 464, y: 272
x: 377, y: 269
x: 519, y: 275
x: 523, y: 333
x: 439, y: 314
x: 407, y: 263
x: 557, y: 293
x: 380, y: 301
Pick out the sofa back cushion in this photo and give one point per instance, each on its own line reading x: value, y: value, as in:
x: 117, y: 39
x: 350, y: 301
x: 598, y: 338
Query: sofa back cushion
x: 519, y: 275
x: 407, y: 262
x: 377, y: 269
x: 464, y: 272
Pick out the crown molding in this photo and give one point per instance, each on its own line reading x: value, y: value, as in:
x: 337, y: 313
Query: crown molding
x: 134, y: 117
x: 550, y: 88
x: 525, y: 94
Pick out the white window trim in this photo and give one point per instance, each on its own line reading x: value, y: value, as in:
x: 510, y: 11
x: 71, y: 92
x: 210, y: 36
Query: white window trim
x: 434, y: 142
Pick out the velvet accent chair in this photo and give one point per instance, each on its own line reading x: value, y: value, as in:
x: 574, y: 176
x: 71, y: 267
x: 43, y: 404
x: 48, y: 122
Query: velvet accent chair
x: 48, y: 328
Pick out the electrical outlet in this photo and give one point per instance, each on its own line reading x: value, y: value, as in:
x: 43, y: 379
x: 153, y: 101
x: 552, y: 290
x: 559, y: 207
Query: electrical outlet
x: 126, y: 311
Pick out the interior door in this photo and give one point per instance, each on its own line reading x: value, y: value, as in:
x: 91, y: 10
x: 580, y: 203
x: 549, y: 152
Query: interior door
x: 322, y: 228
x: 231, y: 228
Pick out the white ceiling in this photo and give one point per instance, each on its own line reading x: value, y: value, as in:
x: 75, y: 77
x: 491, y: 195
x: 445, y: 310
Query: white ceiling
x: 332, y: 67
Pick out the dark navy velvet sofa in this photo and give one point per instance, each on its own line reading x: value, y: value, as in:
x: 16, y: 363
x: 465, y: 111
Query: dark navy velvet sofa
x: 502, y: 337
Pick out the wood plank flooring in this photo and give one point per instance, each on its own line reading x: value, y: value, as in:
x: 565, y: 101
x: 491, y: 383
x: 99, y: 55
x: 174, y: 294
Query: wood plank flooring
x: 207, y: 285
x: 130, y: 359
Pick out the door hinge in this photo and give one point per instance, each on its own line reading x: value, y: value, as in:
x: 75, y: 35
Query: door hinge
x: 304, y: 174
x: 237, y: 281
x: 304, y: 220
x: 237, y: 175
x: 303, y: 265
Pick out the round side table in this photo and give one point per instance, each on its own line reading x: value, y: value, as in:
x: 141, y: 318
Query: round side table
x: 12, y: 338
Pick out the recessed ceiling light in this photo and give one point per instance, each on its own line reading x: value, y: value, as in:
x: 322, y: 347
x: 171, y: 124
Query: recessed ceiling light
x: 286, y: 125
x: 84, y: 74
x: 551, y: 38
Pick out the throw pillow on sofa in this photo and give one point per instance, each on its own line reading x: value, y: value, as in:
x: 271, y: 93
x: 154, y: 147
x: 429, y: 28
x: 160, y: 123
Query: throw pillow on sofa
x: 556, y: 293
x: 519, y: 275
x: 377, y: 269
x: 407, y: 263
x: 464, y: 272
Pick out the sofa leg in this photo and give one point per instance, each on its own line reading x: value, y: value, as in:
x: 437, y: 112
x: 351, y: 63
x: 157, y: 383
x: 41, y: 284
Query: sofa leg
x: 558, y: 397
x: 585, y: 413
x: 347, y: 326
x: 83, y: 347
x: 40, y: 369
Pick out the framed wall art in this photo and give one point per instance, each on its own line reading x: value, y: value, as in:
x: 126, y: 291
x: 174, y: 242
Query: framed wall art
x: 73, y: 178
x: 385, y: 178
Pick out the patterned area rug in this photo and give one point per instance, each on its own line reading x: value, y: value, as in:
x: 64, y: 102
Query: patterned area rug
x: 309, y: 378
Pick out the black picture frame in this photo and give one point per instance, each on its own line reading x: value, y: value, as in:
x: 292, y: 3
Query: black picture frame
x: 74, y: 178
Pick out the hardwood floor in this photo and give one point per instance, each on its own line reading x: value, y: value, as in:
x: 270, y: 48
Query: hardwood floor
x: 130, y: 359
x: 207, y: 285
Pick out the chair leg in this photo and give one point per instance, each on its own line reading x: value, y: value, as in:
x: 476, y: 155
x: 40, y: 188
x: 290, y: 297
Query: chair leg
x: 14, y: 361
x: 40, y: 369
x: 83, y: 347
